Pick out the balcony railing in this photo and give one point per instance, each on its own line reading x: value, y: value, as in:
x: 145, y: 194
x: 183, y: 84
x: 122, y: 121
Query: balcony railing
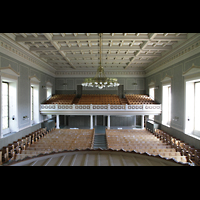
x: 98, y: 109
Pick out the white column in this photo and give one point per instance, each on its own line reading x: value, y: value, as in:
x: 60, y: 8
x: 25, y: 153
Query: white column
x: 142, y: 121
x: 95, y: 120
x: 91, y: 121
x: 134, y: 121
x: 108, y: 123
x: 57, y: 122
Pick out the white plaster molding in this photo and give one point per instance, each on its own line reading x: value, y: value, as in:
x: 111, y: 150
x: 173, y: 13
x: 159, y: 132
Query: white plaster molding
x: 92, y: 73
x: 49, y: 84
x: 185, y: 51
x: 9, y: 72
x: 166, y: 79
x: 34, y: 79
x: 13, y: 50
x: 193, y: 70
x: 152, y: 84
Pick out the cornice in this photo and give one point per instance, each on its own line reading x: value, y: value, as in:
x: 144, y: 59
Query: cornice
x: 12, y: 49
x: 189, y: 48
x: 93, y: 73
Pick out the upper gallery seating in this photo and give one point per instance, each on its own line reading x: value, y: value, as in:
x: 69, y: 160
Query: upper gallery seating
x: 104, y: 99
x: 61, y: 99
x: 100, y: 99
x: 139, y: 99
x: 141, y: 141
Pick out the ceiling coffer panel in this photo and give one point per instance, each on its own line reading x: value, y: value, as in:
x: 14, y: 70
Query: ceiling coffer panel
x: 120, y: 51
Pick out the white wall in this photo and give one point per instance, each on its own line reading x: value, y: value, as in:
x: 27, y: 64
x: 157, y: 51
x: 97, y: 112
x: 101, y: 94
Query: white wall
x: 23, y: 97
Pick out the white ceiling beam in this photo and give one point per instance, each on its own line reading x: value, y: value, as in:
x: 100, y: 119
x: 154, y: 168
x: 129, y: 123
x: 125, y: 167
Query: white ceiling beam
x: 113, y: 47
x: 96, y: 37
x: 31, y: 39
x: 24, y: 35
x: 170, y: 37
x: 92, y: 56
x: 35, y: 34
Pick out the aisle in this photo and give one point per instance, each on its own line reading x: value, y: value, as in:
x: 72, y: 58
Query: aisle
x: 100, y: 137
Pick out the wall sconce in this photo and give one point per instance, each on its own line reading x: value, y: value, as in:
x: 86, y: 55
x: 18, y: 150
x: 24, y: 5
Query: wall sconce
x: 175, y: 119
x: 64, y: 84
x: 134, y: 83
x: 156, y: 87
x: 25, y: 118
x: 44, y: 87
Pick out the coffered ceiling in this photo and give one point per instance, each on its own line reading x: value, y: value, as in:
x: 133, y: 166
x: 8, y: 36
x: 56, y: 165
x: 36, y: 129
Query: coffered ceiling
x: 80, y: 51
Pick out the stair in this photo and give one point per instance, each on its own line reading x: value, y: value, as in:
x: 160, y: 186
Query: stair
x: 100, y: 138
x: 76, y: 100
x: 124, y: 101
x: 100, y: 141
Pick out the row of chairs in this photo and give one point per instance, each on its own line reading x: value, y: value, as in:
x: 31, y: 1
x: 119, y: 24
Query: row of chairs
x: 61, y: 99
x: 139, y: 99
x: 100, y: 99
x: 9, y: 152
x: 141, y: 141
x: 191, y: 152
x: 59, y: 140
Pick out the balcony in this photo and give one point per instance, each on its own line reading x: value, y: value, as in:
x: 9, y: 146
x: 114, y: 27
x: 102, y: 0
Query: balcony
x: 67, y: 109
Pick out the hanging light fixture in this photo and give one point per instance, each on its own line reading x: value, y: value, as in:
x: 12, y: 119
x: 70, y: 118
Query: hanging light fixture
x: 100, y: 80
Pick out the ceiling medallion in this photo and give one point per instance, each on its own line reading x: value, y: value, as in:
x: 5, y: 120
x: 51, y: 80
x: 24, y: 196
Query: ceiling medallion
x: 100, y: 80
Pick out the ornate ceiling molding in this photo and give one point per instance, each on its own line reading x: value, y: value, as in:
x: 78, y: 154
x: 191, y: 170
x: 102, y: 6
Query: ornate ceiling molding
x: 12, y: 50
x: 108, y: 73
x: 190, y: 48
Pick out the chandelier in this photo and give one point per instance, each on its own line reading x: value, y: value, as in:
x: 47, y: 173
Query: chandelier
x: 100, y: 80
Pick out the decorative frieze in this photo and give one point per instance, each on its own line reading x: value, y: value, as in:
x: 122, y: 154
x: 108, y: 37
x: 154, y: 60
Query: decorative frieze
x: 108, y: 73
x: 177, y: 56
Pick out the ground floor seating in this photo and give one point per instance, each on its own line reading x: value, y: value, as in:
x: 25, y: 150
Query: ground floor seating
x: 9, y: 152
x: 192, y: 153
x: 59, y: 140
x: 141, y: 141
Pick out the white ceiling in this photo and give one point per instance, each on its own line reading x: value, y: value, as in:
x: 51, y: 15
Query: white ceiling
x: 80, y: 51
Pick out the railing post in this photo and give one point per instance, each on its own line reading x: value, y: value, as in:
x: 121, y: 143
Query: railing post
x: 108, y: 106
x: 126, y: 107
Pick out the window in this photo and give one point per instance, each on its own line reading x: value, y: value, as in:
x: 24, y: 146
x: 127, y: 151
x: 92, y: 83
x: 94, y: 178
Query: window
x: 166, y: 101
x: 192, y: 107
x: 152, y: 93
x: 5, y: 105
x: 32, y: 103
x: 192, y: 100
x: 49, y: 91
x: 197, y: 107
x: 9, y: 99
x: 34, y: 100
